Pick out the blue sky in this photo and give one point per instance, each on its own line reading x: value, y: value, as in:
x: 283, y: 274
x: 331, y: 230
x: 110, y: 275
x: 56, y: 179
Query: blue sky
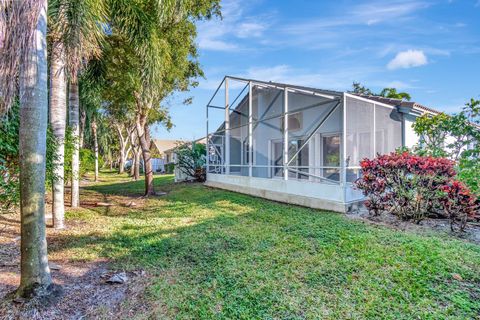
x: 430, y: 49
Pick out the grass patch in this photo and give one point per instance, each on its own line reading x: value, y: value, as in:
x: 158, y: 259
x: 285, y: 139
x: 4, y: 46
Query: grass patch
x: 218, y: 254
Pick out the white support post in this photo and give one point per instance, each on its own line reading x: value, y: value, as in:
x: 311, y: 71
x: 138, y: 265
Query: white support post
x: 374, y: 138
x: 227, y: 130
x: 343, y: 168
x: 285, y: 134
x: 250, y: 130
x: 207, y: 147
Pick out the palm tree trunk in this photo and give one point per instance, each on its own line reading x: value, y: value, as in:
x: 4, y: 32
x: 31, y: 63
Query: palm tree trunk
x: 35, y: 276
x: 144, y: 138
x: 83, y: 120
x: 73, y: 121
x: 58, y: 115
x: 95, y: 146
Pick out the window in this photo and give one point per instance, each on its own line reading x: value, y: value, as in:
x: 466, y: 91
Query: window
x: 295, y: 121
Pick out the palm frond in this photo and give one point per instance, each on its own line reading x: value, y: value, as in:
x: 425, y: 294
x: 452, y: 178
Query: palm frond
x: 18, y: 21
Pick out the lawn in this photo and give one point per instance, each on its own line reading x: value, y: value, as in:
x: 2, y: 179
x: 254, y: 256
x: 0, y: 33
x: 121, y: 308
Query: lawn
x: 216, y: 254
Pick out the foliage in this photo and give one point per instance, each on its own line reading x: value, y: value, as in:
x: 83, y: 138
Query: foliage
x: 79, y: 25
x: 87, y: 158
x: 191, y: 160
x: 391, y: 93
x: 9, y: 159
x: 414, y: 187
x: 360, y: 89
x: 454, y: 136
x: 458, y: 203
x: 9, y: 166
x: 215, y: 254
x: 169, y: 168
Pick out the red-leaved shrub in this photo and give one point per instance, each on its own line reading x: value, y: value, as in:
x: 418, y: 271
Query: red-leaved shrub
x: 459, y: 204
x: 414, y: 187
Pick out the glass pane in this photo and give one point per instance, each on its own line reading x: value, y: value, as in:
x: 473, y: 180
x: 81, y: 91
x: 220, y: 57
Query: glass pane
x: 359, y: 127
x: 388, y: 127
x: 331, y: 156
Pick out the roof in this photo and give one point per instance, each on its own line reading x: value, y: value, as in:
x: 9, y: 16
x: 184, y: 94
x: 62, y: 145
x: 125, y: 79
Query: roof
x: 200, y: 140
x: 290, y: 86
x: 398, y: 102
x: 389, y: 101
x: 164, y: 145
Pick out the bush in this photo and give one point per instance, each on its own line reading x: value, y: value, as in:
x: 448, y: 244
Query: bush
x: 414, y: 187
x: 458, y: 203
x: 191, y: 160
x: 87, y: 157
x: 9, y: 159
x: 169, y: 168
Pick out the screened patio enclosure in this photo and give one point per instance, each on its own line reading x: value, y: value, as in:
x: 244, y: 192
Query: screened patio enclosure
x: 295, y: 144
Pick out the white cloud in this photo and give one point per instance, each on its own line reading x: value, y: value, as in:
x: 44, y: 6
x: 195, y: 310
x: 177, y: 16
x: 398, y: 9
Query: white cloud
x: 236, y: 24
x: 363, y: 14
x: 408, y: 59
x: 250, y: 29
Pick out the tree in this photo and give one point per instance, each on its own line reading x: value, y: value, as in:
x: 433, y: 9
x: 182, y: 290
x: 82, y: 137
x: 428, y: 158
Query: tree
x: 75, y: 32
x: 360, y: 89
x: 161, y: 39
x: 191, y: 160
x: 454, y: 136
x: 24, y: 52
x: 391, y: 93
x: 58, y: 118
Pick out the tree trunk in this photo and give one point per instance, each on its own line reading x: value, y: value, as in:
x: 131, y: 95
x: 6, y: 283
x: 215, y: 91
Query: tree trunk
x: 73, y: 121
x: 35, y: 276
x: 58, y: 118
x: 83, y: 119
x: 123, y: 146
x: 95, y: 146
x: 136, y: 173
x: 135, y: 151
x: 144, y: 138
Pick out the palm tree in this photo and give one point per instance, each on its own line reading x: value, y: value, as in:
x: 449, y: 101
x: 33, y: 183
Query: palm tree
x: 58, y: 116
x: 24, y: 52
x: 76, y: 33
x: 160, y: 36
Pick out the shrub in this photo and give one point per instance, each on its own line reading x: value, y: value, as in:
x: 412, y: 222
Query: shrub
x: 169, y: 168
x: 458, y: 203
x: 191, y: 160
x: 9, y: 159
x: 414, y: 187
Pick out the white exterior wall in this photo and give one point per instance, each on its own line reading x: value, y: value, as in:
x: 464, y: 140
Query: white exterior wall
x: 410, y: 137
x: 304, y: 193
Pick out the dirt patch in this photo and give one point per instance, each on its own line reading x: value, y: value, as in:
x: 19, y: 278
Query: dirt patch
x: 85, y: 293
x: 471, y: 232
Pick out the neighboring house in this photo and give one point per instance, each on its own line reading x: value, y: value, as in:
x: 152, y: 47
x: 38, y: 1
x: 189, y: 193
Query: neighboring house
x: 301, y: 145
x: 161, y: 151
x: 171, y: 157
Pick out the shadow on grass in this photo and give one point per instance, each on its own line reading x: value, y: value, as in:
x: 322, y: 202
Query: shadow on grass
x: 129, y: 188
x: 222, y: 254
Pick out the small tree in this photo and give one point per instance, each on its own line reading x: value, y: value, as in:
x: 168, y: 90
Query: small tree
x: 191, y: 160
x: 454, y: 136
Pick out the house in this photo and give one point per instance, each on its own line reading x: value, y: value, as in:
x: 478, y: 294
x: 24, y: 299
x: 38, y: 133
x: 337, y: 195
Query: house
x: 161, y: 153
x: 300, y: 145
x: 171, y: 157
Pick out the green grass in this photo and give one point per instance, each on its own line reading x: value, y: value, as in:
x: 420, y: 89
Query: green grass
x: 217, y: 254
